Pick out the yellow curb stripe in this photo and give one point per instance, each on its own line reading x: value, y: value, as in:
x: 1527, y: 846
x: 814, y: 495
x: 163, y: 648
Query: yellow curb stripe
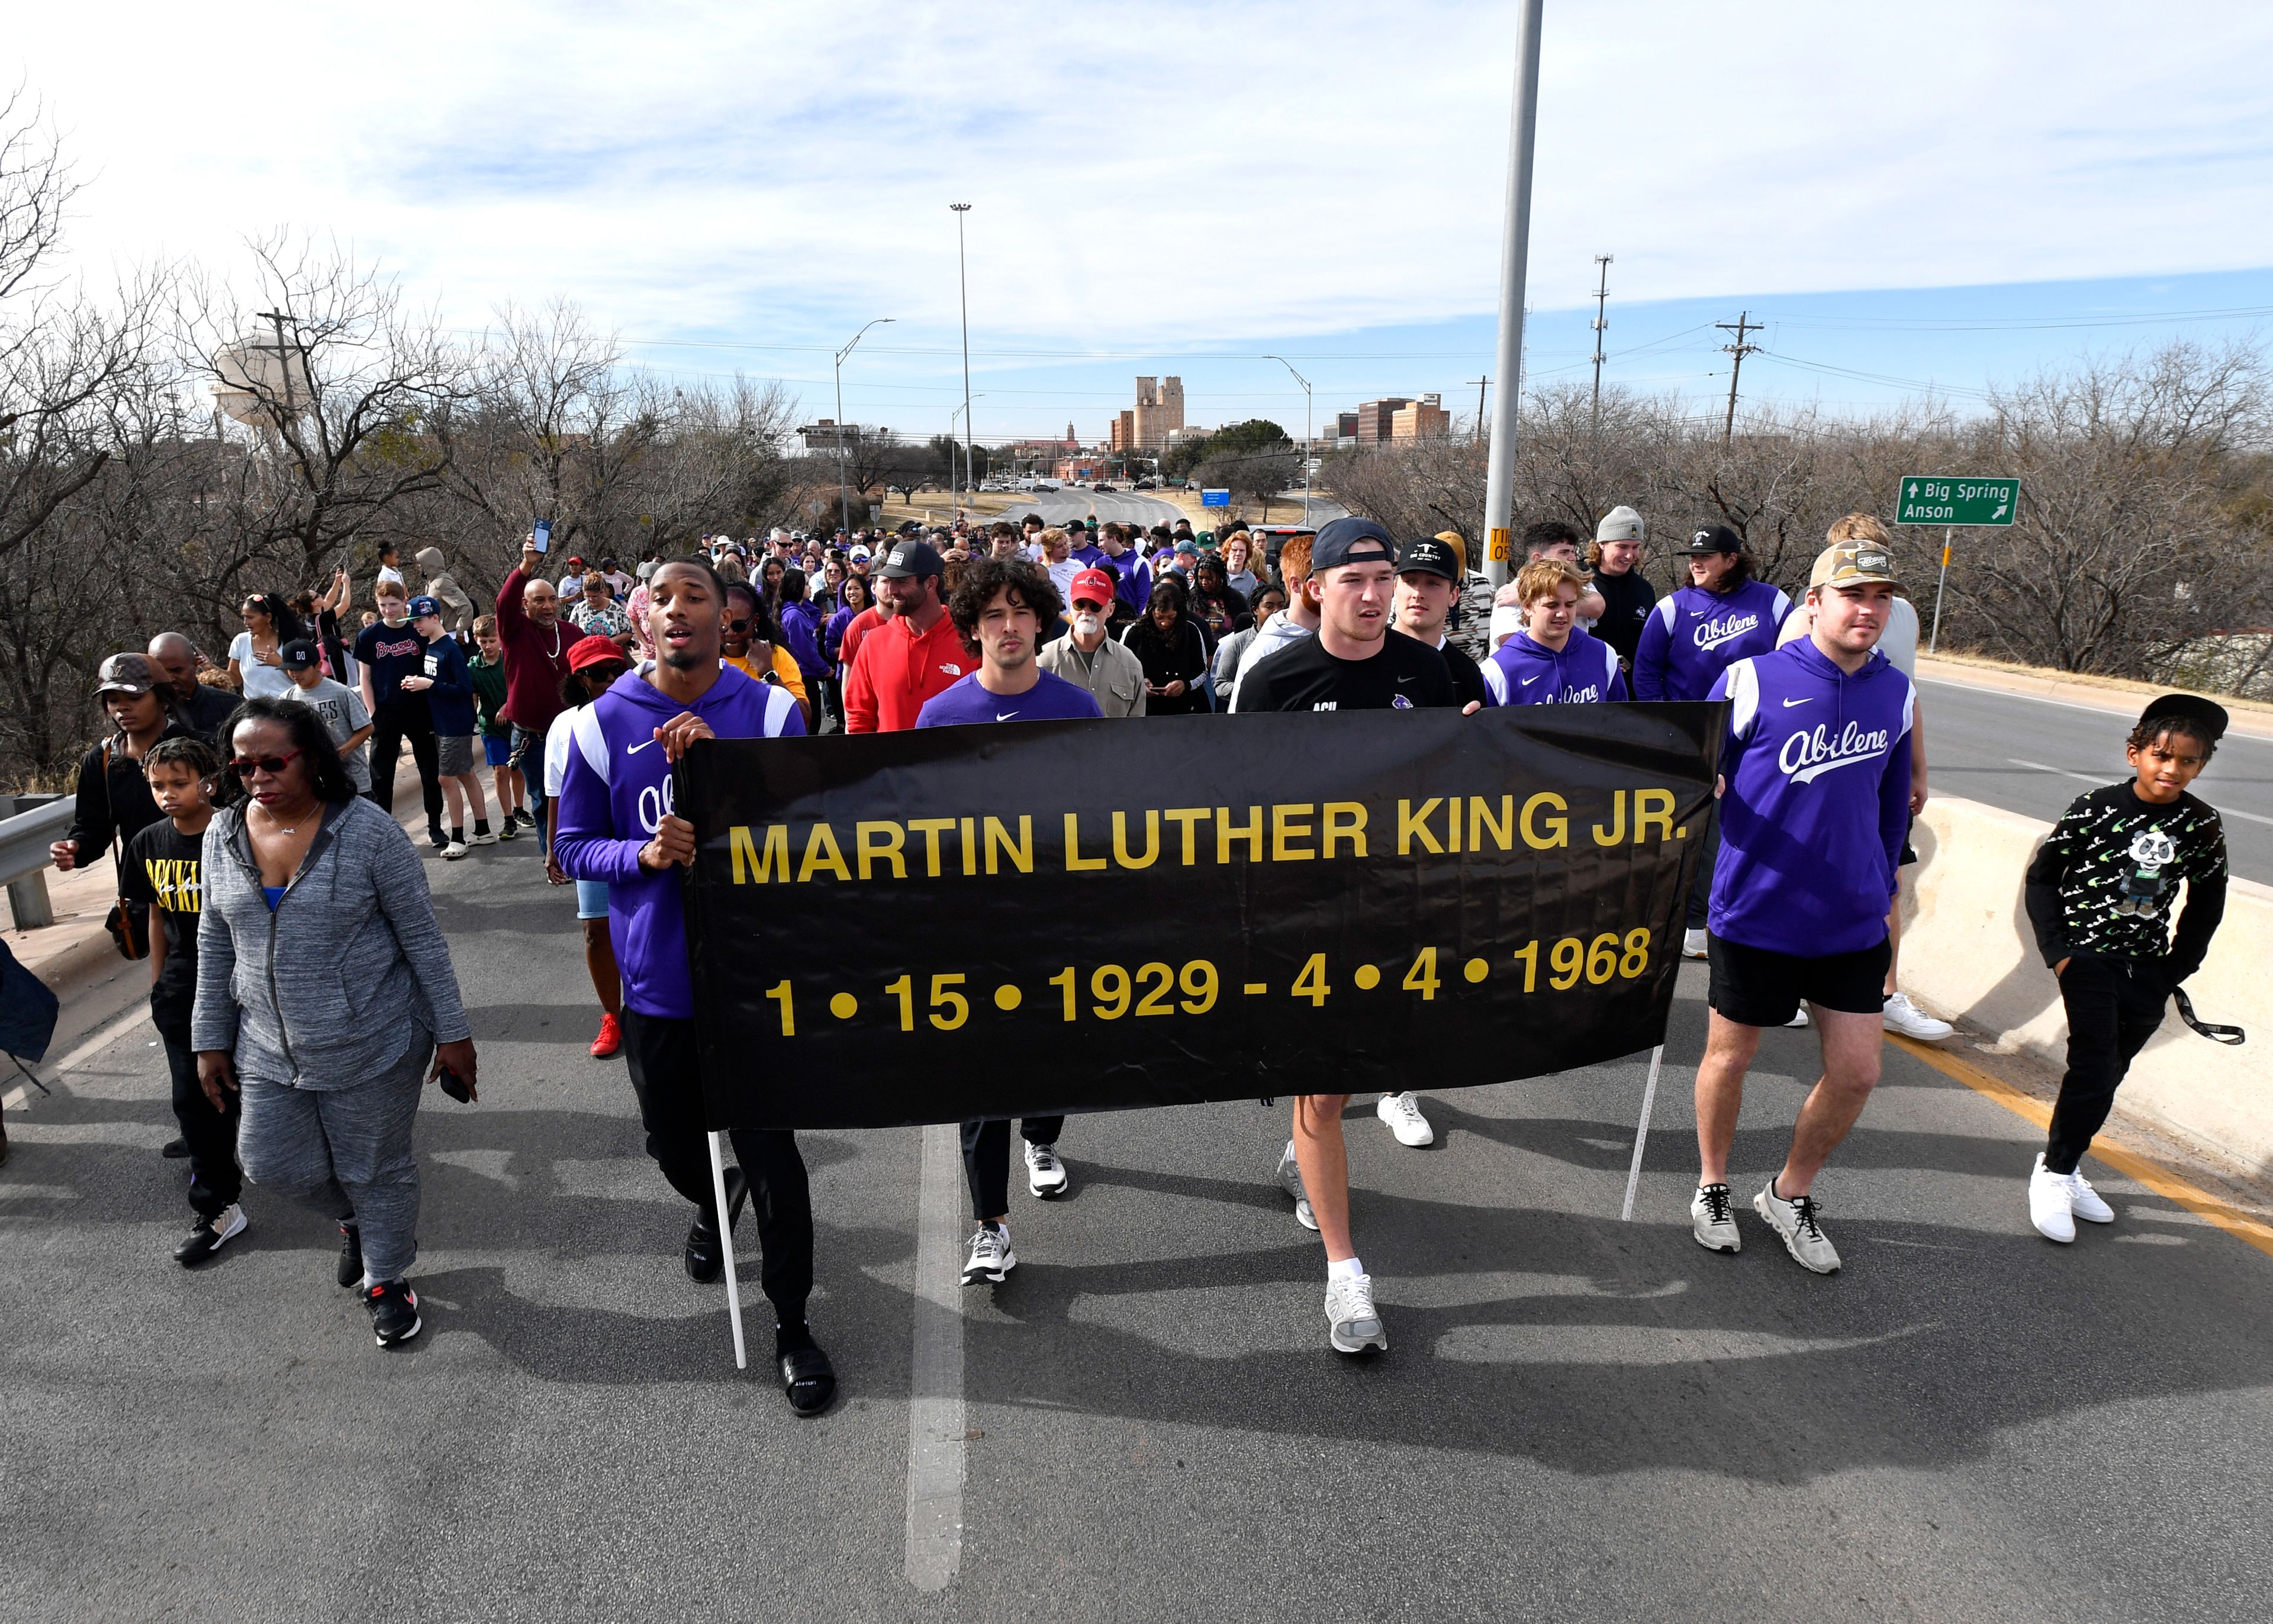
x: 2163, y: 1182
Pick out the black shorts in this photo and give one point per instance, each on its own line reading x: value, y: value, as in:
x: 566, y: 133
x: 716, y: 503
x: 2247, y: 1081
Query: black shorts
x: 1754, y: 986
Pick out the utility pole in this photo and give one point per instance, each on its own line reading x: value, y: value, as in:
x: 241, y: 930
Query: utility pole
x: 963, y: 282
x: 276, y: 318
x: 1515, y: 254
x: 1739, y: 349
x: 844, y: 502
x: 1481, y: 384
x: 1600, y: 324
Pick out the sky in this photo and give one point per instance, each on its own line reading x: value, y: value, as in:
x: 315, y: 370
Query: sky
x: 1936, y: 196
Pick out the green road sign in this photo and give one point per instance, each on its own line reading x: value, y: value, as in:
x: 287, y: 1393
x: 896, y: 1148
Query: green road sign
x: 1944, y: 500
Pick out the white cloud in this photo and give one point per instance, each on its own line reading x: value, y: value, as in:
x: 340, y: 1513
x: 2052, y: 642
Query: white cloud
x: 1172, y: 173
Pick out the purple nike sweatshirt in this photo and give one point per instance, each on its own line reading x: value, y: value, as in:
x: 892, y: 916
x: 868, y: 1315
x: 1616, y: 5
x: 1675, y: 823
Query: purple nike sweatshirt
x: 614, y: 796
x: 1583, y: 672
x: 1693, y: 636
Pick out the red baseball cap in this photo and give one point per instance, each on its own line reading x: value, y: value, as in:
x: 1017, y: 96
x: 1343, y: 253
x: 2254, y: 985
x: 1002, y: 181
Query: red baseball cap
x: 1096, y: 583
x: 587, y: 652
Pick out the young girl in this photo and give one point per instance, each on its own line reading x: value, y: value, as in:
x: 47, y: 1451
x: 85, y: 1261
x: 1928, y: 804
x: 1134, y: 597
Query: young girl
x: 164, y: 873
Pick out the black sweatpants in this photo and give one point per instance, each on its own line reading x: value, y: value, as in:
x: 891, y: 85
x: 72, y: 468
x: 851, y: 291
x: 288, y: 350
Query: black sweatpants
x: 2114, y: 1006
x: 986, y: 1159
x: 667, y: 1077
x: 216, y: 1180
x: 394, y: 725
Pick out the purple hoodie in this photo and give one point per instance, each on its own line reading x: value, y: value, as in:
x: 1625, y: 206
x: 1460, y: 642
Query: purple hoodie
x: 1818, y: 766
x: 1524, y: 672
x: 615, y: 793
x: 1693, y: 636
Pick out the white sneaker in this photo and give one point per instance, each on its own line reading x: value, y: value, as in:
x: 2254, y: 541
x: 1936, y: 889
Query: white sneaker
x: 1800, y: 1018
x: 1046, y: 1175
x: 477, y: 838
x: 1901, y: 1016
x: 2051, y: 1207
x: 2085, y: 1201
x: 991, y: 1257
x: 1405, y: 1120
x: 1353, y: 1325
x: 1692, y: 944
x: 454, y: 849
x: 1290, y: 1180
x: 1711, y: 1222
x: 1802, y: 1237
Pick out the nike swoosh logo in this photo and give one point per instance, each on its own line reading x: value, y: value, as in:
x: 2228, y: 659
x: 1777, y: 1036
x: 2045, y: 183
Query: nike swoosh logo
x: 1810, y: 700
x: 1403, y: 680
x: 1529, y: 680
x: 635, y: 749
x: 1004, y: 715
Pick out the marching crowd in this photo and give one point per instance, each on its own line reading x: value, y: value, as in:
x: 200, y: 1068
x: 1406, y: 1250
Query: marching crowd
x: 305, y: 995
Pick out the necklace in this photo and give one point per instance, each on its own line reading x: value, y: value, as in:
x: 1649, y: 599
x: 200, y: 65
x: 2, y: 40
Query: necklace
x: 555, y: 652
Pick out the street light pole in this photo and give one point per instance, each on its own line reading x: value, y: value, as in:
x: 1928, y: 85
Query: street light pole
x: 963, y: 283
x: 843, y: 503
x: 1515, y: 251
x: 1308, y: 447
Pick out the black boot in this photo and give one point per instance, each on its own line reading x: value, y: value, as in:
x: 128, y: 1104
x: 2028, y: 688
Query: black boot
x: 706, y: 1248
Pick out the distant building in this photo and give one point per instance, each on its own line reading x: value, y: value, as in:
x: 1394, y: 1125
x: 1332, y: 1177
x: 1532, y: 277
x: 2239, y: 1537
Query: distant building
x: 1086, y: 468
x: 1425, y: 419
x: 1121, y: 437
x: 1375, y: 418
x: 1158, y: 414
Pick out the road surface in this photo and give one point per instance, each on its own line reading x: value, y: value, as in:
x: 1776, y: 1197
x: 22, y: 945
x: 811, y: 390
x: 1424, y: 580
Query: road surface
x: 1578, y: 1418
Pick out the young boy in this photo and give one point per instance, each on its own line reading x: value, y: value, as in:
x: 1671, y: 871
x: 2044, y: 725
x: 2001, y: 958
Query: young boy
x: 487, y: 671
x: 449, y: 690
x: 2099, y: 894
x: 388, y: 652
x: 163, y: 871
x: 340, y: 707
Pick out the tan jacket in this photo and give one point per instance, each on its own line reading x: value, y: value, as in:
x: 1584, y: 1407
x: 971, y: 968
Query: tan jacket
x: 1116, y: 680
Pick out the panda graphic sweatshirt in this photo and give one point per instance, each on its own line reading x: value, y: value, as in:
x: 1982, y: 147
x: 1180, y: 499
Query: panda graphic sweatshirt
x: 2105, y: 878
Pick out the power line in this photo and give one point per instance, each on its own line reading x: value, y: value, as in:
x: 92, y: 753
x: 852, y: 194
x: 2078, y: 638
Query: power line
x: 1739, y: 349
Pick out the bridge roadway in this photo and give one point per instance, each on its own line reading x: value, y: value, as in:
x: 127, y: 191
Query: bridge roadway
x: 1579, y: 1418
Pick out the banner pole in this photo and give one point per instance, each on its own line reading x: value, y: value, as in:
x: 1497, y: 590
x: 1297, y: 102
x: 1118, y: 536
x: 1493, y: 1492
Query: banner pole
x: 1641, y: 1134
x: 727, y: 1233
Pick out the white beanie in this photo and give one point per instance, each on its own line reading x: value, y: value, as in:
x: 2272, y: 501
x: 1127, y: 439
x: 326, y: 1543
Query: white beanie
x: 1620, y: 524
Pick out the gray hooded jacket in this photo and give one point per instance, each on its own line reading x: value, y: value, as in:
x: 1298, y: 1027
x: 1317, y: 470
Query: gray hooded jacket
x: 333, y: 987
x: 457, y: 608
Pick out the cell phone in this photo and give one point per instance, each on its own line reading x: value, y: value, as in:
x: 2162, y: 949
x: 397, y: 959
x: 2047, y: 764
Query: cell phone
x: 455, y: 1085
x: 541, y: 535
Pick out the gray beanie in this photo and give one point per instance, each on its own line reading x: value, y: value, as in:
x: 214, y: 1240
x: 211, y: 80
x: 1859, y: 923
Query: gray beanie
x: 1620, y: 524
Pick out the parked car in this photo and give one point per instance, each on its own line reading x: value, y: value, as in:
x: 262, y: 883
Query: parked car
x: 1104, y: 490
x: 1145, y: 485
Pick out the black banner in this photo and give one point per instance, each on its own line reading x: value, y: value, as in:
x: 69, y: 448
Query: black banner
x: 1039, y: 918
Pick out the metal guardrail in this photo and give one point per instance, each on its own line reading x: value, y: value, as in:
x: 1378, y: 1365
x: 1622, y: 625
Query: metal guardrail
x: 23, y: 841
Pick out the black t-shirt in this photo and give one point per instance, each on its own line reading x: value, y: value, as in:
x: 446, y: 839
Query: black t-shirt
x: 163, y: 873
x: 393, y: 652
x: 1468, y: 679
x: 1405, y: 675
x: 1627, y: 600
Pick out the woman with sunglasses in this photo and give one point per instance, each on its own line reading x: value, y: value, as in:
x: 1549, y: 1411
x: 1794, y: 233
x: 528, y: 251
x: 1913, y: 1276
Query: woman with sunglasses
x: 752, y: 644
x: 325, y: 990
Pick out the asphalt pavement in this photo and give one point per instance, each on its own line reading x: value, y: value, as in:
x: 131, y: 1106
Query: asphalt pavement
x: 2033, y: 756
x: 1579, y: 1418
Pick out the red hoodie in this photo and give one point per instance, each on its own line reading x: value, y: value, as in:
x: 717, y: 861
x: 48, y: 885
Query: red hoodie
x: 536, y: 659
x: 895, y: 672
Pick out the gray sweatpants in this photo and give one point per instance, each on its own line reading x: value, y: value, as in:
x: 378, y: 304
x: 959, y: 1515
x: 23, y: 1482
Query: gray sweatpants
x: 346, y: 1152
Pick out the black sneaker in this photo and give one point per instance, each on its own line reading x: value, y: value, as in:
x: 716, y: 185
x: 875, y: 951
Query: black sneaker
x: 175, y: 1149
x: 706, y: 1249
x: 393, y: 1312
x: 210, y: 1235
x: 350, y: 1255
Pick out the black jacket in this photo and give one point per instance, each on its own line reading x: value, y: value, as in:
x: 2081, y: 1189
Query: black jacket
x: 113, y: 797
x: 1178, y: 655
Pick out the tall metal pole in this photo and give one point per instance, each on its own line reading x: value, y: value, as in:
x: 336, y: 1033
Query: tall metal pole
x: 963, y: 282
x: 1933, y: 643
x: 843, y: 501
x: 1600, y: 324
x: 1307, y: 444
x: 1515, y: 254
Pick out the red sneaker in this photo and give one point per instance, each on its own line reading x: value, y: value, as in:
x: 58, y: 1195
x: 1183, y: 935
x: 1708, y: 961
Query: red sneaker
x: 611, y: 1037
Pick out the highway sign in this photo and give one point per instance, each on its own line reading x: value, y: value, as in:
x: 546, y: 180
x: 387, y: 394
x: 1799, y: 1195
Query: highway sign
x: 1215, y: 498
x: 1948, y: 499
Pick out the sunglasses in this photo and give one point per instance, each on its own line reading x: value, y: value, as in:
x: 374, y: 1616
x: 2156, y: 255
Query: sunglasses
x: 738, y: 626
x: 245, y: 767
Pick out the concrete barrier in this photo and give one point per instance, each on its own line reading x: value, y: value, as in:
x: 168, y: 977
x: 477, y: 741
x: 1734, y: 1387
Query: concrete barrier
x: 1968, y: 952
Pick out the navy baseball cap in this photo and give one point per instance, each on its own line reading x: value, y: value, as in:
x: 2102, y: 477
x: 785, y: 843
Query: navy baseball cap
x: 300, y: 655
x: 1351, y: 540
x: 422, y: 606
x: 909, y: 560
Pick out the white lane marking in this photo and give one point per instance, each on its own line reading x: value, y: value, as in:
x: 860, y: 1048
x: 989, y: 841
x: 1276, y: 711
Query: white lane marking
x: 935, y: 1431
x: 2089, y: 710
x: 2038, y: 766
